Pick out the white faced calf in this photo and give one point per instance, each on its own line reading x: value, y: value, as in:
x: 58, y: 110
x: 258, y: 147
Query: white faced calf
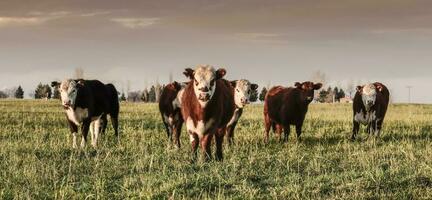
x: 207, y: 106
x: 87, y: 103
x: 242, y: 93
x: 369, y: 107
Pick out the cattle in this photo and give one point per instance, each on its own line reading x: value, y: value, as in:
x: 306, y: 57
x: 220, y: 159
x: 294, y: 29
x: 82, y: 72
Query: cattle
x: 241, y: 90
x: 207, y: 105
x: 369, y: 108
x: 87, y: 104
x: 169, y: 107
x: 287, y: 106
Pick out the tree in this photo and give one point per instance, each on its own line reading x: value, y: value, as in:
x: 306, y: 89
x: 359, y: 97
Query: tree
x: 319, y: 77
x: 323, y: 95
x: 144, y: 95
x: 152, y: 94
x: 133, y: 97
x: 43, y: 91
x: 263, y: 94
x: 123, y: 97
x: 79, y: 73
x: 336, y: 94
x: 56, y: 94
x: 3, y: 95
x: 158, y: 91
x: 253, y: 96
x: 19, y: 93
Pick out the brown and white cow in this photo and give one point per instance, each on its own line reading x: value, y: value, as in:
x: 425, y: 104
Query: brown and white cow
x: 169, y: 107
x: 287, y: 106
x: 242, y: 90
x: 207, y: 107
x: 369, y: 107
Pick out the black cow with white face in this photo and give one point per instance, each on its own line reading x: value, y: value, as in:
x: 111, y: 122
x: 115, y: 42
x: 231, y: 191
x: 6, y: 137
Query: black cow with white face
x: 242, y: 90
x: 87, y: 104
x: 369, y: 107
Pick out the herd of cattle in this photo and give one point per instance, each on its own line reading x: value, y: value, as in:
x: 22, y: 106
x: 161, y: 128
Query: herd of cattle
x: 211, y: 106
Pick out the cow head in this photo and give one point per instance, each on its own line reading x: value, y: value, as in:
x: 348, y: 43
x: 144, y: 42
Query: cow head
x: 204, y: 81
x: 242, y: 91
x: 308, y: 89
x: 68, y: 91
x: 368, y: 93
x: 176, y: 86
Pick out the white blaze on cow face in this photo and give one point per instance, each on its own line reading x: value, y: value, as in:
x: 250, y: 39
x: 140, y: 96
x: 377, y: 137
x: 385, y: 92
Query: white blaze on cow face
x: 204, y: 83
x: 68, y: 92
x: 368, y: 96
x: 242, y: 92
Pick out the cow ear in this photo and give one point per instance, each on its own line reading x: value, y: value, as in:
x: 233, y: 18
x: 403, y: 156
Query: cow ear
x: 189, y: 73
x: 233, y: 83
x: 379, y: 87
x: 220, y: 73
x: 254, y: 86
x: 177, y: 85
x: 317, y: 86
x: 359, y: 88
x: 80, y: 82
x: 298, y: 85
x: 55, y: 84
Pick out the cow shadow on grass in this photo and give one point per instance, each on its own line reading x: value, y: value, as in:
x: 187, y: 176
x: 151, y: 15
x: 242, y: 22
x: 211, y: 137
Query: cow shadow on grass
x: 346, y: 137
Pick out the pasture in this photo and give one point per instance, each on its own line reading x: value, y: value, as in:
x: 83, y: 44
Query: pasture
x: 37, y: 160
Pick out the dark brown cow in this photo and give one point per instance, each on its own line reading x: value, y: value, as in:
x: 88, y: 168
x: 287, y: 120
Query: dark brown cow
x: 369, y: 107
x: 207, y: 106
x: 169, y: 107
x: 287, y: 106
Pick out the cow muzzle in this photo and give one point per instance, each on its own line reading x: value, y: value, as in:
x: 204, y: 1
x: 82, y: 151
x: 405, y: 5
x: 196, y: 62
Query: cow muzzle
x: 244, y: 101
x: 204, y: 97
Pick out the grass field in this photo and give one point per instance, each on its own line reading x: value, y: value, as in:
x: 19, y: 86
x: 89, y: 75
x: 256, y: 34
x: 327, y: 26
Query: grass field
x: 37, y: 160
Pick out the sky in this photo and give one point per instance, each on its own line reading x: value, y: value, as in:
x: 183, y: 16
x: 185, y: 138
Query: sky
x: 271, y: 42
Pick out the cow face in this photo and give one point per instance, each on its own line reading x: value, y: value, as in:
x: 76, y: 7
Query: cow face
x: 368, y: 94
x: 68, y: 92
x: 204, y: 81
x: 308, y: 89
x: 242, y: 92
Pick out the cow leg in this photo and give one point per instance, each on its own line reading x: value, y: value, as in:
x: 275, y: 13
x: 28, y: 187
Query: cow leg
x: 278, y: 130
x: 299, y: 131
x: 176, y: 132
x: 114, y: 121
x: 205, y: 146
x: 230, y: 133
x: 219, y: 140
x: 356, y: 127
x: 92, y: 131
x: 84, y: 132
x: 378, y: 127
x: 194, y: 142
x: 74, y: 130
x: 168, y: 131
x: 97, y: 124
x: 286, y: 130
x: 104, y: 123
x: 267, y: 125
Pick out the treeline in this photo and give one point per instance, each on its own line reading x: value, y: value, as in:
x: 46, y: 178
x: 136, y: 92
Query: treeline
x: 17, y: 93
x: 44, y: 91
x: 330, y: 95
x: 147, y: 95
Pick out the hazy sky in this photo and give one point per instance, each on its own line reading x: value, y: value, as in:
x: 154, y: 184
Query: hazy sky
x: 268, y: 42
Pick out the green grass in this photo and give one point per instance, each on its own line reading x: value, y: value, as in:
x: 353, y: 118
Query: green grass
x: 37, y: 160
